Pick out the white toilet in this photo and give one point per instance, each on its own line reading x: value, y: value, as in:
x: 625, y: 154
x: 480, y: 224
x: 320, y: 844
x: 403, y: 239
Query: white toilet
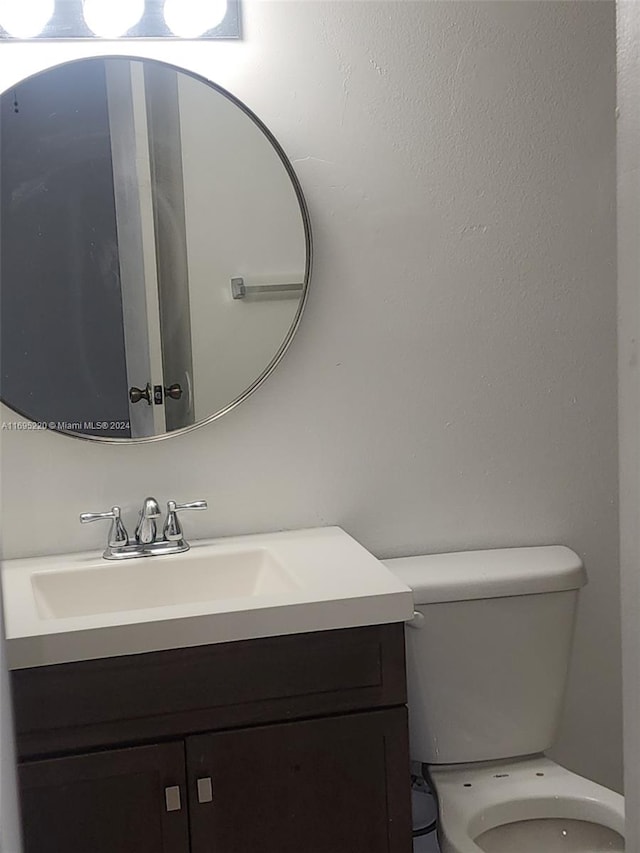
x: 487, y: 657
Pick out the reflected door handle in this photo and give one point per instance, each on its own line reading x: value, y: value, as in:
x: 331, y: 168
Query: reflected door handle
x: 174, y: 391
x: 137, y: 394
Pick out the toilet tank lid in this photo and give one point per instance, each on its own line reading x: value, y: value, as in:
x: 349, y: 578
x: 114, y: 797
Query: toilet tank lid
x: 468, y: 575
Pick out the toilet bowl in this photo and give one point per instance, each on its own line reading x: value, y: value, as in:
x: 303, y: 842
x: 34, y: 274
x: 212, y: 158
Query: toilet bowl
x: 487, y: 658
x: 524, y: 806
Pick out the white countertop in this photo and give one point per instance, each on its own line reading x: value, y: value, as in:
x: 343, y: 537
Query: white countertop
x: 336, y: 583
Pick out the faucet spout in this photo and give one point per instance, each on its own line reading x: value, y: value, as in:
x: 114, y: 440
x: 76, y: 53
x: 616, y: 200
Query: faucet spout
x: 146, y: 531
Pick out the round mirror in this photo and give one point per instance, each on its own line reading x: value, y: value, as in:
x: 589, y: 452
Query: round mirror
x: 155, y: 250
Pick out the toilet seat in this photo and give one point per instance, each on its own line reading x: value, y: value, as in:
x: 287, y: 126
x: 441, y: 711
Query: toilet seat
x: 476, y: 798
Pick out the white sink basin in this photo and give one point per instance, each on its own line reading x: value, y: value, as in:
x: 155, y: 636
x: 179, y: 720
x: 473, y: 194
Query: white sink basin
x: 80, y: 607
x: 159, y: 582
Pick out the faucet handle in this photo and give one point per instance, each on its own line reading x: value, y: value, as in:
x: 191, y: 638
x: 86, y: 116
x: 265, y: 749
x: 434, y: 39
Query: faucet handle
x: 173, y: 506
x: 172, y: 530
x: 118, y: 535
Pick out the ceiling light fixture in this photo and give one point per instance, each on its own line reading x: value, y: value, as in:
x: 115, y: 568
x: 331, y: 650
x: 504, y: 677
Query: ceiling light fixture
x: 21, y: 20
x: 192, y: 18
x: 25, y: 20
x: 111, y: 19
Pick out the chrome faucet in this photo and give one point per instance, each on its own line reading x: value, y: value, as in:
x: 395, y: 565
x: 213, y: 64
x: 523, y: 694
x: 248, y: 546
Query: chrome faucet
x: 145, y: 542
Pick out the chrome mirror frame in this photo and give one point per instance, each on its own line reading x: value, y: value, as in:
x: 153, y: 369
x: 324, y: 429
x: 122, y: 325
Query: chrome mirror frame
x: 304, y: 212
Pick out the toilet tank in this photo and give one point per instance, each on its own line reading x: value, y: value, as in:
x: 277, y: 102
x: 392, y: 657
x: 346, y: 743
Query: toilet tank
x: 488, y: 650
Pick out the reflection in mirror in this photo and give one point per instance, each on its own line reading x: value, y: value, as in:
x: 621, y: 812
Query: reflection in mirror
x: 132, y: 195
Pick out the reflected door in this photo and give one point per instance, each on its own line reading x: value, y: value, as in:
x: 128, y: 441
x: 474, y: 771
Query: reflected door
x: 62, y: 354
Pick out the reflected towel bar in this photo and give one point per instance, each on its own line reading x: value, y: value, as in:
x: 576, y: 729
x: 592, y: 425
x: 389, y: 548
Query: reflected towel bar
x: 239, y: 289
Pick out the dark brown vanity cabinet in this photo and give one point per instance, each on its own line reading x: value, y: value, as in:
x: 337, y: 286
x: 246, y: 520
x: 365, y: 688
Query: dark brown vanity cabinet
x: 291, y: 744
x: 321, y: 786
x: 118, y: 801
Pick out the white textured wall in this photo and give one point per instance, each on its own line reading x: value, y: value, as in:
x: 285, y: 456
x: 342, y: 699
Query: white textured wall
x: 453, y: 382
x: 629, y: 334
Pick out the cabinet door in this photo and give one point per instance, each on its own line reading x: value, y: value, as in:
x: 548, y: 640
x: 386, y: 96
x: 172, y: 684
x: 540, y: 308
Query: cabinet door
x: 336, y: 785
x: 120, y: 801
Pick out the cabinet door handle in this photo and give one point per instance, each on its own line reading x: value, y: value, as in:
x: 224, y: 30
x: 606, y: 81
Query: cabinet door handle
x: 172, y: 798
x: 205, y: 790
